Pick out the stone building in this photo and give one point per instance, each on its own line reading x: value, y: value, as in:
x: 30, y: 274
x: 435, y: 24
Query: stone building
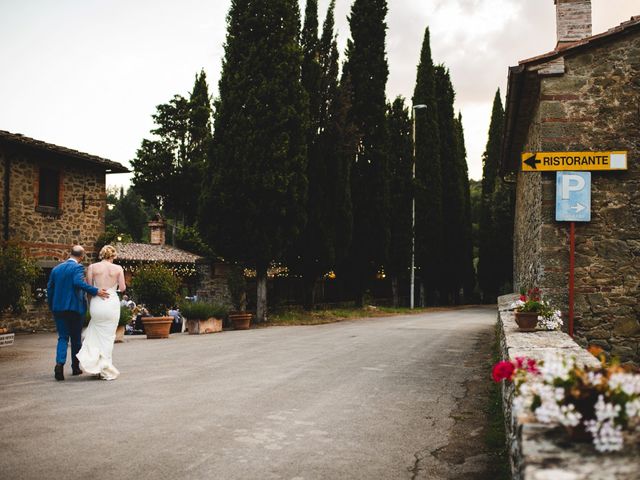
x: 51, y: 198
x: 582, y: 96
x: 199, y: 276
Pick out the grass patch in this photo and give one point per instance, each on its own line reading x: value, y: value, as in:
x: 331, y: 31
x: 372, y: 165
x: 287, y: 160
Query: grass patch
x: 495, y: 437
x: 298, y: 316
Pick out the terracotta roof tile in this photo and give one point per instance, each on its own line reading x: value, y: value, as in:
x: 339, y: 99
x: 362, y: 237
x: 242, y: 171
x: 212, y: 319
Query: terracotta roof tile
x: 16, y: 138
x: 144, y: 252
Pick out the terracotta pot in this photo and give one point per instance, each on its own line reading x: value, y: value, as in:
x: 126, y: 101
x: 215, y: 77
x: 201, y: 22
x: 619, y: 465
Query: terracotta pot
x: 120, y: 334
x: 527, y: 321
x: 198, y: 327
x: 157, y: 327
x: 240, y: 320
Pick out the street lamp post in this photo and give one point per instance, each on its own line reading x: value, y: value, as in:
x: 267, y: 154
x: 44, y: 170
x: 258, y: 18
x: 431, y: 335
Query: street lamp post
x: 413, y: 207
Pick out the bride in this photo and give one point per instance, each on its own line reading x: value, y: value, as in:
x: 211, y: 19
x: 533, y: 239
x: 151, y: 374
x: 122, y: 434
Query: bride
x: 95, y: 354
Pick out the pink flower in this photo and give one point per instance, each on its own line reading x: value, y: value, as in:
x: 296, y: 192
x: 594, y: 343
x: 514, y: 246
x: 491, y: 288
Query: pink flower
x: 503, y: 371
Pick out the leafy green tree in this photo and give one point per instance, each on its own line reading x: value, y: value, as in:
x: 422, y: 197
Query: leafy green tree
x: 168, y: 170
x: 255, y: 188
x: 129, y: 216
x: 366, y: 67
x: 488, y: 277
x: 17, y: 273
x: 400, y: 170
x: 428, y: 183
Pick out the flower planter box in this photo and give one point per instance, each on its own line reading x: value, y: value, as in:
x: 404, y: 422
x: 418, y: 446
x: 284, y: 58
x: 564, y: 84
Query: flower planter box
x: 157, y: 327
x: 199, y: 327
x: 240, y: 320
x: 527, y: 321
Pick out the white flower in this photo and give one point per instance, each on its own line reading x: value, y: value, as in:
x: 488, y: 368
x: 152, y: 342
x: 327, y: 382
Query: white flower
x: 517, y: 304
x: 606, y: 436
x: 555, y: 366
x: 632, y: 408
x: 629, y: 383
x: 594, y: 378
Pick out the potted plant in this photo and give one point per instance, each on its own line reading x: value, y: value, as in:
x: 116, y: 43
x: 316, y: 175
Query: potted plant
x: 156, y: 287
x: 125, y: 317
x: 240, y: 318
x: 599, y: 404
x: 203, y: 317
x: 532, y: 312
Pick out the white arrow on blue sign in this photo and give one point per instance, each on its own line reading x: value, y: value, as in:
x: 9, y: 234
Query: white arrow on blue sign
x: 573, y: 196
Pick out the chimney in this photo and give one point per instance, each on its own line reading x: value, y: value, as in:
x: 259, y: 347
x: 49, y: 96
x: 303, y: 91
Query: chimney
x: 573, y: 21
x: 157, y: 228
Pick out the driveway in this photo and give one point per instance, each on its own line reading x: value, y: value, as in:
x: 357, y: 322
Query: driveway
x: 366, y: 399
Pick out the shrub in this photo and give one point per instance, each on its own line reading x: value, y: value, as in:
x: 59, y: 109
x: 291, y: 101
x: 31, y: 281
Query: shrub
x: 237, y: 288
x: 125, y: 316
x: 156, y: 287
x: 202, y: 310
x: 17, y: 274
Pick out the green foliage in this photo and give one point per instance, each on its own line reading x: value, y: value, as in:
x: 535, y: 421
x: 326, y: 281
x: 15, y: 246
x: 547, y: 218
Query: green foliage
x: 202, y: 310
x: 156, y: 287
x: 255, y: 190
x: 428, y: 184
x: 168, y: 170
x: 17, y: 274
x: 128, y: 217
x: 112, y: 236
x: 400, y: 170
x: 367, y: 70
x: 189, y: 239
x: 497, y: 208
x: 125, y: 316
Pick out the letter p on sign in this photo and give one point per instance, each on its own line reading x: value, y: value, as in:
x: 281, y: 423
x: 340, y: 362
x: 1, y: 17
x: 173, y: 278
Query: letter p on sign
x: 571, y: 183
x: 573, y: 196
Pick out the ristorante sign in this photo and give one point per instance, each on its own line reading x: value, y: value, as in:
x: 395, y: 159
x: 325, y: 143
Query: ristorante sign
x: 574, y: 161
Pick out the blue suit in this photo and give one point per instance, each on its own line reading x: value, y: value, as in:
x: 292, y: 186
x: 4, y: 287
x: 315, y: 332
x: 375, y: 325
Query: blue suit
x: 66, y: 296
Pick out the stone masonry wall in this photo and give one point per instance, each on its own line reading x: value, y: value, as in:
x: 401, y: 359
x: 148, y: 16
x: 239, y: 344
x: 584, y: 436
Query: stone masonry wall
x: 592, y: 107
x: 211, y: 286
x: 541, y: 452
x: 47, y: 236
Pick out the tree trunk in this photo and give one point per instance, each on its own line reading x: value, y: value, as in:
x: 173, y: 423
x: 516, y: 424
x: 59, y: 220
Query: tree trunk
x: 309, y: 293
x: 394, y: 291
x: 261, y: 296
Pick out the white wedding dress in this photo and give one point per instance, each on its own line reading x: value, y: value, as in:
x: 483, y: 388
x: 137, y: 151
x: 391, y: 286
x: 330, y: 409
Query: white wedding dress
x: 100, y: 335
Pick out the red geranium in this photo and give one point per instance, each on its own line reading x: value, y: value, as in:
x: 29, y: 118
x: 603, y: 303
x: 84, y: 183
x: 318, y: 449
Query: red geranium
x: 503, y: 371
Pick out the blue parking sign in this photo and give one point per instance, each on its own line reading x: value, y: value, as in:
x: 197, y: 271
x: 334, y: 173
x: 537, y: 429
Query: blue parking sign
x: 573, y: 196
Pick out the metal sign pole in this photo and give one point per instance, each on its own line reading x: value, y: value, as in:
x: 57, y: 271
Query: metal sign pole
x: 572, y: 261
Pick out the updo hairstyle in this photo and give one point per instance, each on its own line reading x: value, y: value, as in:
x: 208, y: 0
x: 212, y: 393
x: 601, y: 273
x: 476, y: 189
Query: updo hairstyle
x: 108, y: 253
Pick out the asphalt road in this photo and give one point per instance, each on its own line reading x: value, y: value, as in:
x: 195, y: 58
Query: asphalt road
x: 365, y: 399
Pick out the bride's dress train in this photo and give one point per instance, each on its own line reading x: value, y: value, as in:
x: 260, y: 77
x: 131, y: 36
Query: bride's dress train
x: 97, y: 347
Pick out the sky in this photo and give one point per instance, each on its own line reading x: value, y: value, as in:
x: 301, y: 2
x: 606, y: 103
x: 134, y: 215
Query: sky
x: 88, y: 74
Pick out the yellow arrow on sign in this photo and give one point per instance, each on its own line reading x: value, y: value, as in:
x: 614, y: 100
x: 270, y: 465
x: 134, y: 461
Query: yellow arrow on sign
x: 575, y: 161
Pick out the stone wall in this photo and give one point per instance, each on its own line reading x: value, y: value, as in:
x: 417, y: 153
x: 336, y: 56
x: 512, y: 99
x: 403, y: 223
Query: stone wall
x: 37, y: 318
x: 49, y: 236
x: 593, y: 106
x: 212, y: 284
x: 541, y: 452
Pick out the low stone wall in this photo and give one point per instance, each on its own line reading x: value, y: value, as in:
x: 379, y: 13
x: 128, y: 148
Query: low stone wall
x: 541, y: 452
x: 37, y: 318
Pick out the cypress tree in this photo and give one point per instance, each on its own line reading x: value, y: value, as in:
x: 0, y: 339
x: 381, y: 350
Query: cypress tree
x: 428, y: 182
x: 318, y: 244
x: 199, y: 142
x: 453, y: 193
x: 400, y: 172
x: 367, y: 68
x: 488, y: 276
x: 466, y: 255
x: 255, y: 188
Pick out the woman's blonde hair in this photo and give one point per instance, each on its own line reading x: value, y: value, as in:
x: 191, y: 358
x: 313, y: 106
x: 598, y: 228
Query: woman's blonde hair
x: 108, y: 253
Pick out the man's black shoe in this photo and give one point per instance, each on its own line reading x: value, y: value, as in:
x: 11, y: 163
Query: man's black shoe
x: 58, y: 371
x: 76, y: 371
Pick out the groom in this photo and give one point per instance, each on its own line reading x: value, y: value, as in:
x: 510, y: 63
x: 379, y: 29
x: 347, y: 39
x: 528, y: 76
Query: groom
x: 65, y: 294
